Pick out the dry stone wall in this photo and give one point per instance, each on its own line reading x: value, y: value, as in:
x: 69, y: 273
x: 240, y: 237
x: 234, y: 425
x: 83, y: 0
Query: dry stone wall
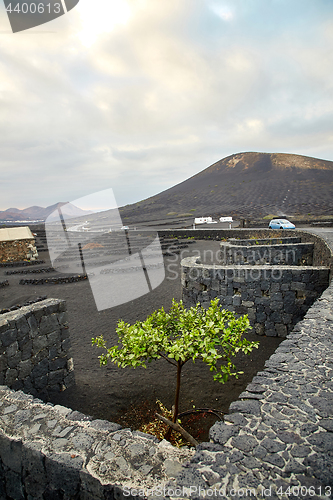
x: 12, y: 251
x: 51, y: 452
x: 322, y: 255
x: 295, y: 254
x: 265, y: 241
x: 35, y: 344
x: 23, y: 263
x: 274, y: 284
x: 275, y: 299
x: 277, y: 440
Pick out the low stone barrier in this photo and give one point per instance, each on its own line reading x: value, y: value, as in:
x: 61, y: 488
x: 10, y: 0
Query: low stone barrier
x: 277, y: 440
x: 57, y: 280
x: 322, y: 255
x: 295, y: 254
x: 35, y: 348
x: 275, y: 299
x: 19, y: 306
x: 31, y: 271
x: 265, y: 241
x: 22, y: 263
x: 52, y: 452
x: 17, y: 250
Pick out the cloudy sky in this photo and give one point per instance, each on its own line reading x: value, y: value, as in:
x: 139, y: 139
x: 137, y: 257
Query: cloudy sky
x: 139, y: 95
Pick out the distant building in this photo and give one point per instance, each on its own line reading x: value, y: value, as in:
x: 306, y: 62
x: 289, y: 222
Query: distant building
x: 16, y: 244
x: 203, y: 220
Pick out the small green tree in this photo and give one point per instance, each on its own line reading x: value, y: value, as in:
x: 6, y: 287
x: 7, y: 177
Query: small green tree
x: 213, y: 335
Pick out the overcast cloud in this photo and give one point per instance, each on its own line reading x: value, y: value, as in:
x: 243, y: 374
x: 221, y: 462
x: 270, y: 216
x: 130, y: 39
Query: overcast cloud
x: 139, y: 95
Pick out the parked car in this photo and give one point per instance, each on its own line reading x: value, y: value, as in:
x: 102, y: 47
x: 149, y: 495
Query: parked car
x: 281, y: 224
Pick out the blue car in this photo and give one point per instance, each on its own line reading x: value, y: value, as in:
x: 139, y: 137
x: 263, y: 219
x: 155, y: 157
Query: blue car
x: 281, y: 224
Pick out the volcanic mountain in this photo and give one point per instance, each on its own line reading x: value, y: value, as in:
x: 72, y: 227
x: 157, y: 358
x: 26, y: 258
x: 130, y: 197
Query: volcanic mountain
x: 246, y: 185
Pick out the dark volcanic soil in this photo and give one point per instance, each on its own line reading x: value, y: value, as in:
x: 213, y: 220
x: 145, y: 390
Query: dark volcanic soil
x: 122, y: 395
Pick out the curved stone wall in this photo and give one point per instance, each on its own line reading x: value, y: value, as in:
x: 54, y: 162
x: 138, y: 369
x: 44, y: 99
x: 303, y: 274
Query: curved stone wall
x: 34, y: 342
x: 277, y: 440
x: 274, y: 298
x: 51, y: 452
x: 322, y: 255
x: 292, y: 254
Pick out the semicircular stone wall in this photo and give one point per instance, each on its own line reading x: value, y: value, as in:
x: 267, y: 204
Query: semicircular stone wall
x: 271, y: 280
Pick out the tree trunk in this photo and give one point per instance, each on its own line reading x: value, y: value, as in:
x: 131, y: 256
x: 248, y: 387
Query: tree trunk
x: 176, y: 405
x: 178, y: 428
x: 176, y: 411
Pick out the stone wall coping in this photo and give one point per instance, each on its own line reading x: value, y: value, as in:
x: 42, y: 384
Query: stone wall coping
x: 253, y: 241
x: 193, y: 262
x: 98, y: 448
x: 231, y: 244
x: 57, y: 305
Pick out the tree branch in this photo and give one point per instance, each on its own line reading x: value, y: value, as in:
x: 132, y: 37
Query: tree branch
x: 167, y: 359
x: 178, y: 428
